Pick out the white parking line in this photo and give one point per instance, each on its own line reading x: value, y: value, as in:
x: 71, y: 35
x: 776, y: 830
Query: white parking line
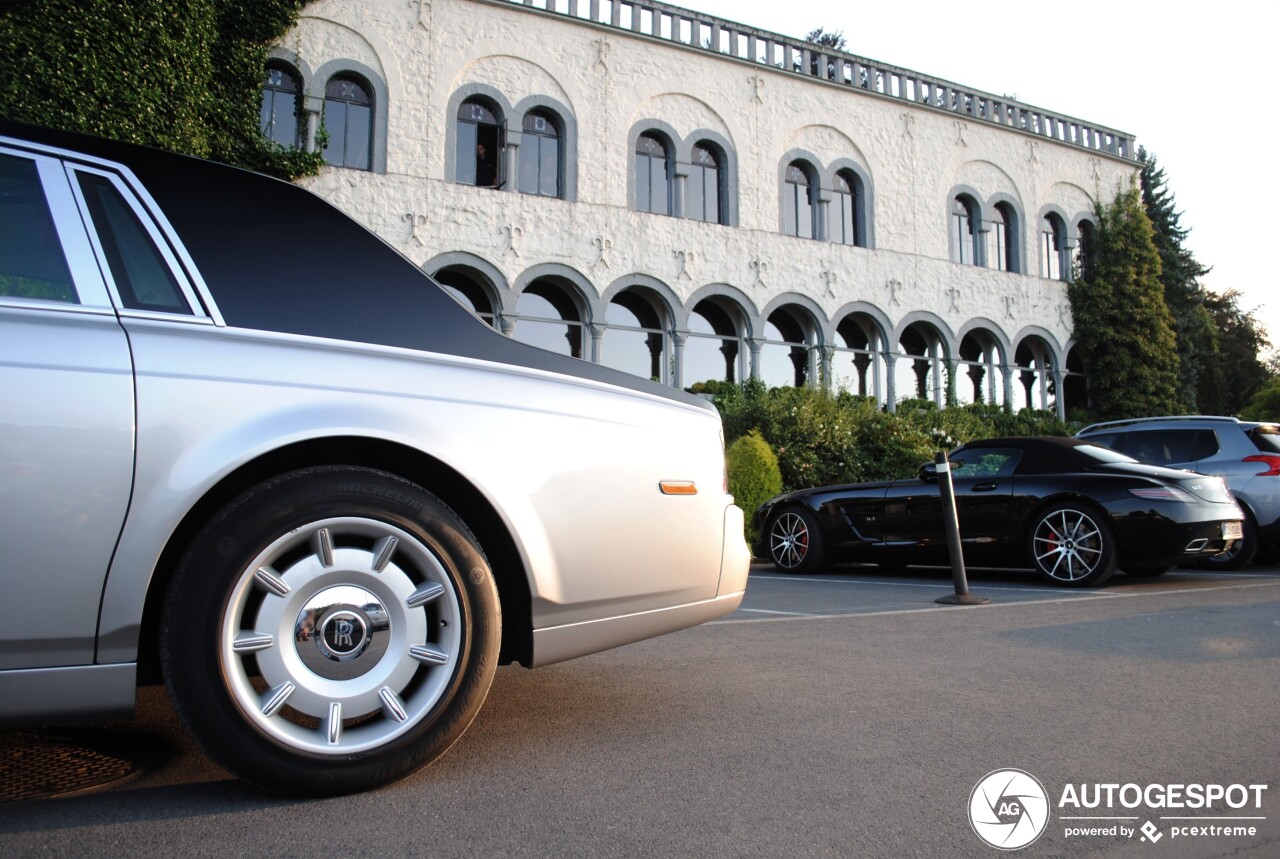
x: 1068, y: 598
x: 941, y: 585
x: 790, y: 613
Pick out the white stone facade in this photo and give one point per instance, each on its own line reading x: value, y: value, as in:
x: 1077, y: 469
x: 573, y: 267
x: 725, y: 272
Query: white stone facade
x: 422, y: 58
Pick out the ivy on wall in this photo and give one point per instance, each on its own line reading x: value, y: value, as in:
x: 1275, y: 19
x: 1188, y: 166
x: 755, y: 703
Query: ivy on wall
x: 183, y: 75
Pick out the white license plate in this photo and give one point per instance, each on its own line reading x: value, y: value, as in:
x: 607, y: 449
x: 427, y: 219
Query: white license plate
x: 1232, y: 531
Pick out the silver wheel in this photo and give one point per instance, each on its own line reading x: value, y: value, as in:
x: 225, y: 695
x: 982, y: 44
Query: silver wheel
x: 789, y: 541
x: 330, y: 630
x: 795, y: 543
x: 354, y: 629
x: 1069, y: 546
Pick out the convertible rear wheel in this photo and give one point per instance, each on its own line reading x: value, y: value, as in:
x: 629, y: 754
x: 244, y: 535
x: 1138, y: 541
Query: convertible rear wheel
x: 1072, y: 546
x: 795, y: 543
x: 331, y: 630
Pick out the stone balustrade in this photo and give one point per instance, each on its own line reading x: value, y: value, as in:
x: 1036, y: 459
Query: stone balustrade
x: 696, y: 31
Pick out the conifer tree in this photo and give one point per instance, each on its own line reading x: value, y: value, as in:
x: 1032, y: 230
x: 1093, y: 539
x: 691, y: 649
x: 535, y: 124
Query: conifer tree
x: 1180, y: 276
x: 1236, y: 373
x: 1121, y: 318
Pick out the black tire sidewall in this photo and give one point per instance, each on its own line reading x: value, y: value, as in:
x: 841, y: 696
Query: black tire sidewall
x: 198, y: 598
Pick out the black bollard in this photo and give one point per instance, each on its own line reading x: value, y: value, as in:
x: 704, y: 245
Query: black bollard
x: 951, y: 522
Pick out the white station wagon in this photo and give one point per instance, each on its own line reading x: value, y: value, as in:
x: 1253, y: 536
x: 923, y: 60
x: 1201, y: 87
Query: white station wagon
x: 248, y: 448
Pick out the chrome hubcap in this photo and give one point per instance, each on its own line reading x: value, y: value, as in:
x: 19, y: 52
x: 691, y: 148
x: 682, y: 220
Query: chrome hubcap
x: 341, y: 635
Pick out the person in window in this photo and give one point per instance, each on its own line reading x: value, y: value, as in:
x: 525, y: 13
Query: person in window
x: 486, y: 168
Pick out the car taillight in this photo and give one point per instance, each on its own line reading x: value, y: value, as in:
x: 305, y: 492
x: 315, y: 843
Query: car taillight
x: 1271, y: 461
x: 1161, y: 493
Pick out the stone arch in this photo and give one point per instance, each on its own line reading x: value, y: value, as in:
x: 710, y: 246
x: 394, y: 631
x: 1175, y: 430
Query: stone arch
x: 860, y: 349
x: 982, y: 355
x: 731, y: 318
x: 476, y: 282
x: 552, y: 308
x: 790, y: 340
x: 925, y: 351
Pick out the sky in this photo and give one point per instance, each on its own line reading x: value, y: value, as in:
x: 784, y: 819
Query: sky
x: 1190, y: 80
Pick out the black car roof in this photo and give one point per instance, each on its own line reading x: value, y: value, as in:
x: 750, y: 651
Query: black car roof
x: 1043, y: 454
x: 277, y: 257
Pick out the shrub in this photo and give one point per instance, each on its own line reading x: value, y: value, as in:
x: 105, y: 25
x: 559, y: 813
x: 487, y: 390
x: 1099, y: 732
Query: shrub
x: 754, y: 477
x: 822, y: 439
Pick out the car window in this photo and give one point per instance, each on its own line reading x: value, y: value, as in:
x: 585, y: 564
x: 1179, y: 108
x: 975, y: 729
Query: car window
x: 1204, y: 444
x: 1110, y: 439
x: 143, y: 278
x: 985, y: 462
x: 32, y: 264
x: 1101, y: 454
x: 1266, y: 438
x: 1156, y: 446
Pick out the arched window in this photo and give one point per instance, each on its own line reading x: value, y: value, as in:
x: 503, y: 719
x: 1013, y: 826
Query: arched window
x: 798, y: 210
x: 1051, y: 248
x: 978, y: 375
x: 479, y: 142
x: 469, y: 289
x: 653, y: 183
x: 635, y: 340
x: 858, y: 364
x: 279, y: 116
x: 1084, y: 251
x: 348, y: 121
x: 547, y: 316
x: 714, y: 346
x: 963, y: 236
x: 790, y: 337
x: 540, y: 155
x: 844, y: 209
x: 1003, y: 238
x: 702, y: 203
x: 921, y: 370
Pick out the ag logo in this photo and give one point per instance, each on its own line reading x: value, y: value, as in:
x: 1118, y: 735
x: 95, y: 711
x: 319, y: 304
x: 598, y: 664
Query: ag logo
x: 1008, y: 809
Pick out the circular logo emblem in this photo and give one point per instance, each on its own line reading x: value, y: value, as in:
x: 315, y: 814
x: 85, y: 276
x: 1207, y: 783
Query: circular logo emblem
x: 343, y: 635
x: 1009, y: 809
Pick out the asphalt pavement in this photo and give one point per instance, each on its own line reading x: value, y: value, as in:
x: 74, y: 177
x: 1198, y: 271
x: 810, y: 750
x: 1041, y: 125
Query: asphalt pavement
x: 841, y: 714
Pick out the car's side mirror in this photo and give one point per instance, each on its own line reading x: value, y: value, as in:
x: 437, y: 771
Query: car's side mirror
x: 928, y: 471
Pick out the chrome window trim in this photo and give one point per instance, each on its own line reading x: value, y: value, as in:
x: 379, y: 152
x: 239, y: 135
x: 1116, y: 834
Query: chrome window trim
x: 14, y: 301
x: 73, y: 235
x: 153, y: 214
x: 160, y: 241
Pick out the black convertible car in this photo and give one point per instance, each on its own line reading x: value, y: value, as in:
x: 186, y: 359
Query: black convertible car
x: 1073, y: 511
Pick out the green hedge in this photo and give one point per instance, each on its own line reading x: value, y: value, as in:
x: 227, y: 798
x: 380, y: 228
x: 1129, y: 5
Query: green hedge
x: 183, y: 75
x: 821, y: 438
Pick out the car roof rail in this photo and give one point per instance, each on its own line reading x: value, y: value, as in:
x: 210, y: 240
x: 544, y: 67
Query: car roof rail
x: 1156, y: 419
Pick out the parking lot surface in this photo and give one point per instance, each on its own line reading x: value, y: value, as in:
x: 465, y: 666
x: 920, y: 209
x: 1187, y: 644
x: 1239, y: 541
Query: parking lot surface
x: 840, y: 714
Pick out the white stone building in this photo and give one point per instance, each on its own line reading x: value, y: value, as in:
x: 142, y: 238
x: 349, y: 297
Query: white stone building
x: 687, y: 198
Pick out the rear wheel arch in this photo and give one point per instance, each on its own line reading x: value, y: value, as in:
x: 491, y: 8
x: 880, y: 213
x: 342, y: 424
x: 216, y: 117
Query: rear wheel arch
x: 409, y: 463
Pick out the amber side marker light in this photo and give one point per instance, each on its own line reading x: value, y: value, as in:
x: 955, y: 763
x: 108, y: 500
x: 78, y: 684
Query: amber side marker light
x: 678, y: 487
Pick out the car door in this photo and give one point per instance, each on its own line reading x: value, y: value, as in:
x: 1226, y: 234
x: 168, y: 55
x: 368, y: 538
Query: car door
x: 983, y: 482
x: 66, y: 420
